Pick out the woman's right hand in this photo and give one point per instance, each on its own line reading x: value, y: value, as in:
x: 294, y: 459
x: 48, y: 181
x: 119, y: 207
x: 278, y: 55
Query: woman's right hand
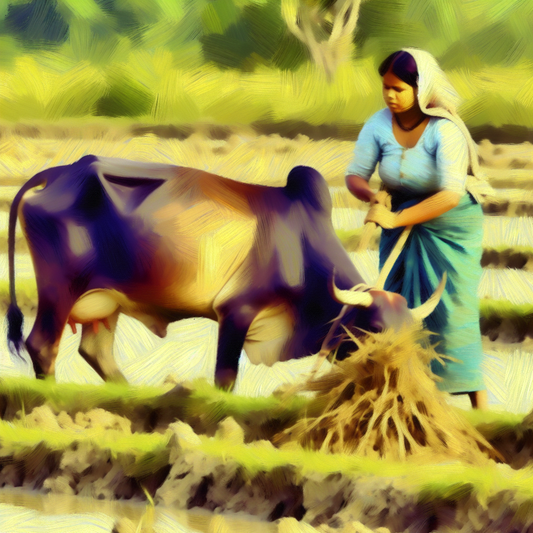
x: 382, y: 198
x: 359, y: 188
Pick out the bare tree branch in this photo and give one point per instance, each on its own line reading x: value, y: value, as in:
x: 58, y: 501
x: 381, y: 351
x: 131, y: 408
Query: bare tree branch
x: 306, y: 21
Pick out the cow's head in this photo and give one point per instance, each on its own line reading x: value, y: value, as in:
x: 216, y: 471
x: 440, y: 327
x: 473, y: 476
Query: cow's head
x: 374, y: 310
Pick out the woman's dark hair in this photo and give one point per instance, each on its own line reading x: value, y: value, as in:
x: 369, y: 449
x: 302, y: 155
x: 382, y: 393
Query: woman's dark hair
x: 403, y: 66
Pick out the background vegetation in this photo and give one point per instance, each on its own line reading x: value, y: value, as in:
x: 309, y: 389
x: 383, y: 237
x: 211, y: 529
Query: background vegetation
x: 235, y: 61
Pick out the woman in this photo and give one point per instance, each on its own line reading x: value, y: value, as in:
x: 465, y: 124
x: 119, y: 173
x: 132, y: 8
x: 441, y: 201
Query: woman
x: 424, y: 152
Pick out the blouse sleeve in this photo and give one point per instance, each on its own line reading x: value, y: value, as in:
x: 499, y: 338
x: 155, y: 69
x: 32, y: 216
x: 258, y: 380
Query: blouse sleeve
x: 367, y: 152
x: 452, y: 158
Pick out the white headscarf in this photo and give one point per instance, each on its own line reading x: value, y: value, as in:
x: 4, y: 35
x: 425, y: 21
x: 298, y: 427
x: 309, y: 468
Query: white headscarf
x: 438, y: 98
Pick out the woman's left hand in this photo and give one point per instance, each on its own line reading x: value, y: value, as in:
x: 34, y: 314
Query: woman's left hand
x: 382, y: 216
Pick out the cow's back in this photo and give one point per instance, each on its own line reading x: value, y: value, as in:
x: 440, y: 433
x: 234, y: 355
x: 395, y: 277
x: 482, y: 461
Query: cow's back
x: 208, y: 226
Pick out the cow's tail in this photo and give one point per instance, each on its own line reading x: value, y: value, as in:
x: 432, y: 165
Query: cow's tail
x: 15, y: 318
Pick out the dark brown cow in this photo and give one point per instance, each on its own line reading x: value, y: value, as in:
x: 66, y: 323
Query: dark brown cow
x: 162, y: 243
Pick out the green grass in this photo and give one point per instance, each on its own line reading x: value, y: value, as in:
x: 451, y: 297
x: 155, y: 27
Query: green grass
x: 71, y: 397
x: 234, y: 405
x: 139, y: 453
x: 350, y: 236
x: 502, y: 420
x: 436, y: 481
x: 120, y: 399
x: 505, y: 309
x: 18, y: 437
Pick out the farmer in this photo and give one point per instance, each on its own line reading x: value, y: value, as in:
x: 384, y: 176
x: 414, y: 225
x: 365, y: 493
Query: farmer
x: 425, y: 154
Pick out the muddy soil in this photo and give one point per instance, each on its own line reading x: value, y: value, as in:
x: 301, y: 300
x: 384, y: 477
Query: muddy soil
x: 185, y: 477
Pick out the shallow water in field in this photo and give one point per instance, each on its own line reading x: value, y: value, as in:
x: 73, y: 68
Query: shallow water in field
x: 23, y: 512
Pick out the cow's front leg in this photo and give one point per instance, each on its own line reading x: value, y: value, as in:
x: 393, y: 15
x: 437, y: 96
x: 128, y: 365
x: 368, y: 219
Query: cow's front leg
x: 96, y: 348
x: 232, y: 330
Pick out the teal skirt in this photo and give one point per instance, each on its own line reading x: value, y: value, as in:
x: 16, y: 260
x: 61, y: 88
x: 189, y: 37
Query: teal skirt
x: 451, y: 243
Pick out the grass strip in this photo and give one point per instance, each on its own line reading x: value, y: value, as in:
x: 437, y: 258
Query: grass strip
x: 16, y: 437
x: 438, y: 481
x: 134, y: 401
x: 527, y: 250
x: 72, y: 396
x: 505, y: 309
x: 205, y: 397
x: 26, y: 393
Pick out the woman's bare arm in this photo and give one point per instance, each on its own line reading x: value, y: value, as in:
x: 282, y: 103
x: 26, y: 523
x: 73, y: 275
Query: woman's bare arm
x: 428, y: 209
x: 359, y: 188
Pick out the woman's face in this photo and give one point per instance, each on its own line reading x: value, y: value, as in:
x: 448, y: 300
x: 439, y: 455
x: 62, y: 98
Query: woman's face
x: 398, y: 95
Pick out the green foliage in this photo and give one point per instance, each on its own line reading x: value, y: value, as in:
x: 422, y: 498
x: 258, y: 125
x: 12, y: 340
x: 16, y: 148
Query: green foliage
x: 219, y: 15
x: 472, y: 40
x: 80, y: 9
x: 9, y: 50
x: 290, y: 54
x: 126, y: 96
x: 35, y: 23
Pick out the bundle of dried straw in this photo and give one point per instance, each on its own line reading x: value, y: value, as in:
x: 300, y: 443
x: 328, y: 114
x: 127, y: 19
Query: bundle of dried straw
x: 383, y: 402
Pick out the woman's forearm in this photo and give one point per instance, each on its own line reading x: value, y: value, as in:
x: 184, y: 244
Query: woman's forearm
x: 428, y: 209
x: 359, y: 188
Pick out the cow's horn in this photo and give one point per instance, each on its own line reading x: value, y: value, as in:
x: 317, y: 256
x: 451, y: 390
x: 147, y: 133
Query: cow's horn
x: 424, y: 310
x: 352, y: 297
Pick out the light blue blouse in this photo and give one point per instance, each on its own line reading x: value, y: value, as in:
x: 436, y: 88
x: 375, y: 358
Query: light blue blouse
x: 439, y: 161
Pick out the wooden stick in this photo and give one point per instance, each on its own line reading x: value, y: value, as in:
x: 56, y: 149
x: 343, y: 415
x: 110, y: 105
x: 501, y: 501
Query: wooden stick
x: 389, y: 263
x: 366, y: 236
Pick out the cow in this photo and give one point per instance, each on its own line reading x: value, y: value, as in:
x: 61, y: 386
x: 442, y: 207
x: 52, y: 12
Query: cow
x: 162, y: 243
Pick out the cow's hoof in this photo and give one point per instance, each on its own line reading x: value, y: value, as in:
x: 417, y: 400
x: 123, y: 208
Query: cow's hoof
x: 225, y: 379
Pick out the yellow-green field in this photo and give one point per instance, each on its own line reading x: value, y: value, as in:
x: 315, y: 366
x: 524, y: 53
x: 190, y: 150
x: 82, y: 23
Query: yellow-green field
x: 129, y: 434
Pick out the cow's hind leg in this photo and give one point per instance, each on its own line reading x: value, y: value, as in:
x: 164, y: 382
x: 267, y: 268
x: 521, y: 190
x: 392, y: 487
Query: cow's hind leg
x: 43, y: 341
x: 97, y: 349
